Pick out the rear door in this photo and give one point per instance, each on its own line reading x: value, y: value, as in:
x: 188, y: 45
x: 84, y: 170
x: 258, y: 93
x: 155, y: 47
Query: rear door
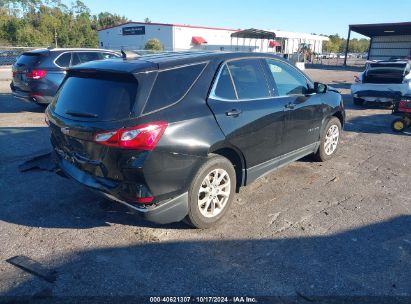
x: 304, y: 109
x: 246, y: 110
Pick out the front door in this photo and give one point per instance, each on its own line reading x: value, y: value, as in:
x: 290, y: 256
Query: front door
x: 251, y: 118
x: 304, y: 108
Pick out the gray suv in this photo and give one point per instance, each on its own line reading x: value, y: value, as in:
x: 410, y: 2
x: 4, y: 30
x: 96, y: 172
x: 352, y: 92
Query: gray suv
x: 38, y: 74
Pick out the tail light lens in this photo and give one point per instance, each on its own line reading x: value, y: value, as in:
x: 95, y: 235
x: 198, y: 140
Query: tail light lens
x: 357, y: 79
x: 36, y: 74
x: 143, y: 137
x: 404, y: 106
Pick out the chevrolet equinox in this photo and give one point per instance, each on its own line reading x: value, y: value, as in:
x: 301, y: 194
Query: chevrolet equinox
x: 175, y: 135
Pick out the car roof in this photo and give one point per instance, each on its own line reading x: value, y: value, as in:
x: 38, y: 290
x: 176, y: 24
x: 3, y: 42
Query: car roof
x: 167, y: 60
x: 45, y: 51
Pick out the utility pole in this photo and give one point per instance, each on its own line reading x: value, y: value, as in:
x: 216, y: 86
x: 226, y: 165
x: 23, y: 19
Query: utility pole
x: 55, y: 36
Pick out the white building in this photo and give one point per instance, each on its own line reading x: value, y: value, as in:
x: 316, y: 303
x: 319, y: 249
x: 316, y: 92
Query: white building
x: 177, y: 37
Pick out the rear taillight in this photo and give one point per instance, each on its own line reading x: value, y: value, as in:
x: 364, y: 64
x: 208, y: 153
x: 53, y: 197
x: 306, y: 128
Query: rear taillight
x: 143, y: 137
x: 14, y: 73
x: 36, y: 74
x: 404, y: 106
x: 357, y: 79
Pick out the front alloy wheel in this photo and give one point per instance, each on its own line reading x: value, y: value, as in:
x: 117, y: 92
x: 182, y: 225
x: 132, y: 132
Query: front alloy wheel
x: 330, y: 139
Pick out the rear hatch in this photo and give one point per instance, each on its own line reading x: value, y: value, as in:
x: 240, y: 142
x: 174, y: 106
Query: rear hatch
x: 92, y: 102
x: 386, y: 73
x: 22, y: 68
x: 86, y: 105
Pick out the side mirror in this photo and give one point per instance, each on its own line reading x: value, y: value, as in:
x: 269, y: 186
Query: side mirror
x: 320, y: 87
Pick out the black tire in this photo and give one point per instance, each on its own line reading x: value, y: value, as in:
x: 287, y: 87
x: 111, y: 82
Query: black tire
x: 358, y: 101
x: 195, y: 217
x: 321, y: 154
x: 398, y: 125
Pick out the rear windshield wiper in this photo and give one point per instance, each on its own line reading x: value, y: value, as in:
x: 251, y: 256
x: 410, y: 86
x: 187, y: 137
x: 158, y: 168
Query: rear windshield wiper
x: 82, y: 114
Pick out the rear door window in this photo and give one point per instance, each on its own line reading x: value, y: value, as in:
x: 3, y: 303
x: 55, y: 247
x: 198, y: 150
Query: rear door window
x: 75, y: 59
x: 97, y: 99
x: 249, y: 79
x: 110, y: 55
x: 89, y: 56
x: 171, y: 85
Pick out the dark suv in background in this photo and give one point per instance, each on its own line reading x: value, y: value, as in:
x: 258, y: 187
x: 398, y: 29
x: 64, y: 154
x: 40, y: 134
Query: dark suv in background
x: 37, y: 74
x: 173, y: 136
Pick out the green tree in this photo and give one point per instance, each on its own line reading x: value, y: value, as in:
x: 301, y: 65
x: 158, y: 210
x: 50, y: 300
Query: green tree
x: 336, y: 44
x: 40, y: 22
x: 153, y: 45
x: 107, y: 19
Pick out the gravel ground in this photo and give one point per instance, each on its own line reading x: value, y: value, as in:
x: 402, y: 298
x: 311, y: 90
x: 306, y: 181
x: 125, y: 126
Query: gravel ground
x: 337, y: 228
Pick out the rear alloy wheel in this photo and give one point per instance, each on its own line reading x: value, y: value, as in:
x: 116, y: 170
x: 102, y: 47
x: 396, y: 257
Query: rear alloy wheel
x: 211, y: 192
x: 329, y: 140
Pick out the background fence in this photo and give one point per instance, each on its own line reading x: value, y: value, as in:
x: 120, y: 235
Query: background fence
x: 8, y: 55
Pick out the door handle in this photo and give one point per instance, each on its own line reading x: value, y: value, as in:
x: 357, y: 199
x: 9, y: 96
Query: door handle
x: 289, y: 106
x: 233, y: 113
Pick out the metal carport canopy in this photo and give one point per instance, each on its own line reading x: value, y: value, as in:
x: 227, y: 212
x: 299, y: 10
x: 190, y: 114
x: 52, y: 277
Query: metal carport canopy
x: 378, y: 29
x: 382, y: 29
x: 253, y: 34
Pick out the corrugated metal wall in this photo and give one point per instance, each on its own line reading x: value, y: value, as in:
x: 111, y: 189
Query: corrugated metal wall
x: 386, y: 47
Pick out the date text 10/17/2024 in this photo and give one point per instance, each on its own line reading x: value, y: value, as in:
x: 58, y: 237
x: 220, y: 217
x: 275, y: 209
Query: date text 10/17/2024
x: 203, y: 300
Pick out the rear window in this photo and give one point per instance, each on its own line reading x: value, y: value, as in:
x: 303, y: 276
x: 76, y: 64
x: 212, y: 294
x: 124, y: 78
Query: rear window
x: 97, y: 99
x: 28, y: 59
x: 171, y: 85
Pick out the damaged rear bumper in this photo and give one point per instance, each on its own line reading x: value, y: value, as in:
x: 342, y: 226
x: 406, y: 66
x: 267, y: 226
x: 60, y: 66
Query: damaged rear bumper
x: 383, y: 93
x: 164, y: 212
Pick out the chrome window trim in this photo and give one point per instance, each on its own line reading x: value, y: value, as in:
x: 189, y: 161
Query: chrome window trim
x: 79, y: 51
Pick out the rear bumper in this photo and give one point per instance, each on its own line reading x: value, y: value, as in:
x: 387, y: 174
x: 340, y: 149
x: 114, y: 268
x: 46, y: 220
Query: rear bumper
x: 30, y: 96
x: 170, y: 211
x: 379, y: 92
x: 163, y: 212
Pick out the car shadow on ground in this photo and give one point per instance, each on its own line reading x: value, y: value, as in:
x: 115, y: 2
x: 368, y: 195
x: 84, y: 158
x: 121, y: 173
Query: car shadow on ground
x: 373, y: 123
x: 368, y: 261
x: 10, y: 104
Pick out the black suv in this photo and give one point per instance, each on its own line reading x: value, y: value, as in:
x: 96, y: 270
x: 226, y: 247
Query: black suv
x: 38, y: 74
x: 173, y: 136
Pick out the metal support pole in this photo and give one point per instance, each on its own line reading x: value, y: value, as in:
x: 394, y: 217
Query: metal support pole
x: 346, y: 47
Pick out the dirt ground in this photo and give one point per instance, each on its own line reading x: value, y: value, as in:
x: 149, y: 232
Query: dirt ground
x: 340, y: 228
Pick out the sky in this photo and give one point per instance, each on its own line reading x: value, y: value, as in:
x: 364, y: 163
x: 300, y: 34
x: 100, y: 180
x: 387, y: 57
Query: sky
x: 312, y: 16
